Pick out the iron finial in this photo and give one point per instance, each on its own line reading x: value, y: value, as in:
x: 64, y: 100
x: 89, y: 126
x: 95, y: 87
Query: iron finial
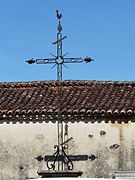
x: 30, y: 61
x: 88, y: 59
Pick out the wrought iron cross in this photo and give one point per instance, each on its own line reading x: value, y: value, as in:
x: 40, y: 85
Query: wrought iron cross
x: 59, y: 60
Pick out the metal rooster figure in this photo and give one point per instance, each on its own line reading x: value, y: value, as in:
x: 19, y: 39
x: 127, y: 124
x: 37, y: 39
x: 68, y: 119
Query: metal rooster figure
x: 59, y: 16
x: 59, y: 60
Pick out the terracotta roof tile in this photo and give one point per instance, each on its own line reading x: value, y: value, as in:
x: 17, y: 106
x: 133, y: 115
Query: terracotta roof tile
x: 78, y: 97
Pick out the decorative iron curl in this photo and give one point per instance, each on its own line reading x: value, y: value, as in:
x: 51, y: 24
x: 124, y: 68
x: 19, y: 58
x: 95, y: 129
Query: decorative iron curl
x: 67, y: 160
x: 56, y: 154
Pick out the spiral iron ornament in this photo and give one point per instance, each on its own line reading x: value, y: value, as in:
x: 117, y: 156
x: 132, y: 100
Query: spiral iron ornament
x: 57, y: 157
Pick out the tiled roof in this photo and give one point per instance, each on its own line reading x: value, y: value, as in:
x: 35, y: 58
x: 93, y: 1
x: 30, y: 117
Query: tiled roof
x: 87, y: 98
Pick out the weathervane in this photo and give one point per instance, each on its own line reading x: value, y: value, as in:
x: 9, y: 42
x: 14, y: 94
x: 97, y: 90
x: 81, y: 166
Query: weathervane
x: 59, y: 60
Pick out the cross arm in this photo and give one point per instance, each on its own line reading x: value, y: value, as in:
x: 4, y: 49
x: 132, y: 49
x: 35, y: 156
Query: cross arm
x: 42, y: 61
x: 77, y: 60
x: 46, y: 61
x: 73, y: 60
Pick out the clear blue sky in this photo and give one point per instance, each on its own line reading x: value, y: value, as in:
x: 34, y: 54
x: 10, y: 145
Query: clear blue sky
x: 101, y: 29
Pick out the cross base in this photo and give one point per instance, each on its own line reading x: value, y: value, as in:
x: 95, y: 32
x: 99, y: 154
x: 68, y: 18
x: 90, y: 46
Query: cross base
x: 57, y: 174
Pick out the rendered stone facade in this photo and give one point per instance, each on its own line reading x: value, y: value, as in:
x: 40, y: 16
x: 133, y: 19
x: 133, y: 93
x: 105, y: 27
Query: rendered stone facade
x: 20, y: 144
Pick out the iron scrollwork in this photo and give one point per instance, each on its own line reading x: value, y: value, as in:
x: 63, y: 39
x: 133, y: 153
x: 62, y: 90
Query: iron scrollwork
x: 52, y: 165
x: 67, y: 161
x: 57, y: 157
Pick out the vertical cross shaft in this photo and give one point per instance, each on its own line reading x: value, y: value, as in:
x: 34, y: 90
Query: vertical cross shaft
x: 59, y: 79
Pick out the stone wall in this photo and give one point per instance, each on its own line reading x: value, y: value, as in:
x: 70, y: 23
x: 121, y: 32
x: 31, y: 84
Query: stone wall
x: 113, y: 145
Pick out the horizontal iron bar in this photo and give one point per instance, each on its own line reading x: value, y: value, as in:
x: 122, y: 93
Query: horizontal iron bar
x: 46, y: 61
x: 67, y: 141
x: 73, y: 60
x: 59, y: 40
x: 71, y: 157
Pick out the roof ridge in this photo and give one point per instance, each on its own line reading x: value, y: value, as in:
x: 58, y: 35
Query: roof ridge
x: 65, y: 82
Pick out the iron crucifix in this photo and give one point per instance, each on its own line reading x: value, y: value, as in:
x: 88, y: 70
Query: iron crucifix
x: 60, y: 60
